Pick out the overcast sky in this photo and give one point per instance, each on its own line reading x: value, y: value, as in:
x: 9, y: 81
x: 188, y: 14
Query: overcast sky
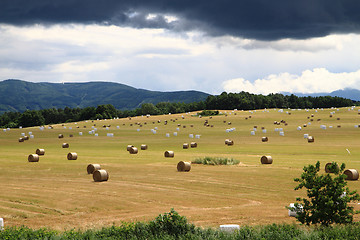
x: 259, y: 46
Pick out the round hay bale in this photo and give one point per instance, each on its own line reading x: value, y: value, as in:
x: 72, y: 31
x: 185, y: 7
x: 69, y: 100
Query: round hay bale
x: 193, y: 144
x: 129, y: 147
x: 226, y: 141
x: 133, y: 150
x: 72, y: 156
x: 61, y: 136
x: 100, y: 175
x: 327, y: 168
x: 91, y: 168
x: 65, y: 145
x: 21, y: 139
x: 184, y: 166
x: 144, y: 147
x: 264, y: 139
x: 33, y: 158
x: 266, y: 160
x: 40, y: 151
x: 71, y: 135
x: 26, y: 137
x: 310, y: 139
x: 351, y: 174
x: 185, y: 146
x: 169, y: 154
x: 230, y: 143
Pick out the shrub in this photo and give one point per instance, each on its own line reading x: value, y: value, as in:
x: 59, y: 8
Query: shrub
x: 216, y: 161
x: 327, y: 197
x: 208, y: 113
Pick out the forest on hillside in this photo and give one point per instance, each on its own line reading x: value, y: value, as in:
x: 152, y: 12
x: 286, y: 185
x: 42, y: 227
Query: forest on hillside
x: 224, y: 101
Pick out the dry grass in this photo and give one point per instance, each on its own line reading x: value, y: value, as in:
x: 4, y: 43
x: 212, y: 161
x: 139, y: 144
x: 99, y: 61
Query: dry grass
x: 58, y: 193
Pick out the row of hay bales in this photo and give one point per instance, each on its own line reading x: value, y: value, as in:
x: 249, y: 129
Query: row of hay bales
x: 133, y: 150
x: 192, y: 145
x: 99, y: 174
x: 351, y: 174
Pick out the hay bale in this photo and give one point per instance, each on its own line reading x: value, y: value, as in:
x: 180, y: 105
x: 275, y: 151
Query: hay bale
x: 129, y: 147
x: 230, y: 143
x: 72, y: 156
x: 229, y: 228
x: 264, y: 139
x: 61, y: 136
x: 33, y: 158
x: 65, y: 145
x: 169, y: 154
x: 133, y: 150
x: 310, y: 139
x: 40, y: 151
x: 26, y: 137
x: 351, y: 174
x: 327, y: 168
x: 266, y: 160
x: 21, y: 139
x: 185, y: 146
x: 144, y: 147
x: 91, y: 168
x: 184, y: 166
x: 193, y: 144
x: 226, y: 141
x: 71, y: 135
x: 100, y: 175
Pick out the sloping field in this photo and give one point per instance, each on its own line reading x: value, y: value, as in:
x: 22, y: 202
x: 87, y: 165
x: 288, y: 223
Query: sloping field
x: 59, y: 194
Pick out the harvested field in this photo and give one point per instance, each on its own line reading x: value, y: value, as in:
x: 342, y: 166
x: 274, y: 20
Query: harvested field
x: 59, y: 194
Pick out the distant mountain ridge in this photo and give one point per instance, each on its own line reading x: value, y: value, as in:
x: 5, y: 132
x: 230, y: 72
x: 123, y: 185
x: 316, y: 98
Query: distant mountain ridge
x: 18, y: 95
x: 349, y: 93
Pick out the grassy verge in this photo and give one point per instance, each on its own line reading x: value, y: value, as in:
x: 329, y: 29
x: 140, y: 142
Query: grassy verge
x: 173, y: 226
x: 216, y: 161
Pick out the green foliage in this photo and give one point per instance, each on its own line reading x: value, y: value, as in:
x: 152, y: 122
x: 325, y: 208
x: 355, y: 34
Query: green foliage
x: 208, y: 113
x: 327, y: 197
x: 173, y: 226
x: 247, y: 101
x: 216, y: 161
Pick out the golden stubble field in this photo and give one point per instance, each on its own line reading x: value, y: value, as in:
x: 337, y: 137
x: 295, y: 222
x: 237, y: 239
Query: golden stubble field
x: 59, y: 194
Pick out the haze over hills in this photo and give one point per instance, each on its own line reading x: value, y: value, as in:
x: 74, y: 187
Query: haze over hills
x: 18, y: 95
x: 349, y: 93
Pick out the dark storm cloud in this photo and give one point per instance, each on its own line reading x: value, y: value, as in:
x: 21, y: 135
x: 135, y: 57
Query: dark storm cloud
x: 258, y: 19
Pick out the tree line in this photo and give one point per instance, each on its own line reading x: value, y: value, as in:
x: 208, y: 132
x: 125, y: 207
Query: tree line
x: 224, y: 101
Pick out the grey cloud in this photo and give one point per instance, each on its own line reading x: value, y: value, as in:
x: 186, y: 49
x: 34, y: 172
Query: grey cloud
x: 256, y: 19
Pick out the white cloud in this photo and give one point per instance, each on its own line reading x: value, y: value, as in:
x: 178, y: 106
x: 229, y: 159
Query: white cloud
x: 310, y: 81
x: 156, y: 59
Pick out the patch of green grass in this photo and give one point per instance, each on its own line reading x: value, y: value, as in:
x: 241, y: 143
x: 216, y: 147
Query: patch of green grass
x: 216, y: 161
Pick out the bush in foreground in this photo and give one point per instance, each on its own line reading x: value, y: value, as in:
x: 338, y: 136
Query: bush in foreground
x: 173, y: 226
x: 327, y: 197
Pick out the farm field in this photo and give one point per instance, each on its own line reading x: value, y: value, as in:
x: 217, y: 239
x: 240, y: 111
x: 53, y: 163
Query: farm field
x: 59, y: 194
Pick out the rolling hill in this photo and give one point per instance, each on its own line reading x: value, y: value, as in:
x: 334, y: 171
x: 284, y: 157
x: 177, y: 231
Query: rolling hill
x: 18, y: 95
x: 349, y: 93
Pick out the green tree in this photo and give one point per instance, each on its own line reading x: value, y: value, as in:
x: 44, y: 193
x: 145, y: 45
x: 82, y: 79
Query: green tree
x: 31, y: 118
x: 327, y: 197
